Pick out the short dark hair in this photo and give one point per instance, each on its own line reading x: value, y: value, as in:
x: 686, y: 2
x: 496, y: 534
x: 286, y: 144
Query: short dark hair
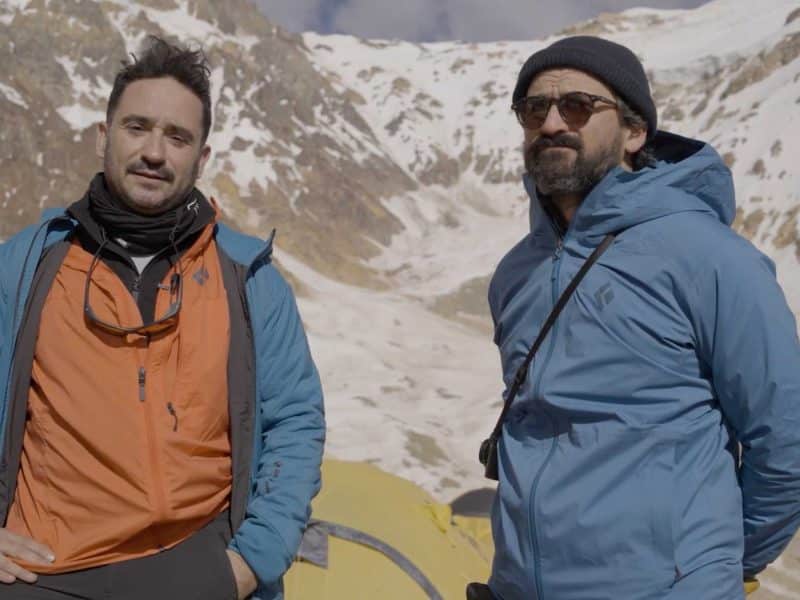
x: 162, y: 59
x: 645, y: 157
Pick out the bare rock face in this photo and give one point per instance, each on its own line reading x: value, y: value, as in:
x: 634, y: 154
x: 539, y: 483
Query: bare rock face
x: 788, y: 234
x: 323, y: 195
x: 607, y: 23
x: 765, y: 63
x: 328, y: 196
x: 44, y: 161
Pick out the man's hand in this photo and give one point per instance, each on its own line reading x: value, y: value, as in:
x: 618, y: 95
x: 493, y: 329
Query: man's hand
x: 246, y: 582
x: 23, y: 548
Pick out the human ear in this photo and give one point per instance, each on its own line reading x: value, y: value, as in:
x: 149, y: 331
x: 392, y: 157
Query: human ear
x: 100, y: 139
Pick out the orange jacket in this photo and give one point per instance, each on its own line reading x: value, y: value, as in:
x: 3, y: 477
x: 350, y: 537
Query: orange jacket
x: 112, y: 476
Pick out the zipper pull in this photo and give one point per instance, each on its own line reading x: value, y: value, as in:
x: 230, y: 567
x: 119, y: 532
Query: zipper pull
x: 559, y: 247
x: 136, y: 288
x: 171, y: 410
x: 142, y: 376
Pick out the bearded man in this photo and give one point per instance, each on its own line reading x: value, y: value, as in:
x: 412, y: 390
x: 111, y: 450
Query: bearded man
x: 651, y: 451
x: 161, y: 418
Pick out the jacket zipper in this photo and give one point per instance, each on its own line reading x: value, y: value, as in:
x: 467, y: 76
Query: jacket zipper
x: 534, y: 537
x: 171, y: 410
x: 142, y: 381
x: 152, y: 449
x: 257, y: 440
x: 136, y: 288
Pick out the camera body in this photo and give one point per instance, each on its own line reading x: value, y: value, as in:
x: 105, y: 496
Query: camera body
x: 487, y: 455
x: 479, y: 591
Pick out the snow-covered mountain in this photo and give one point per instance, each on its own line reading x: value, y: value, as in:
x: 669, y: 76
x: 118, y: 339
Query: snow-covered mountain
x: 391, y: 171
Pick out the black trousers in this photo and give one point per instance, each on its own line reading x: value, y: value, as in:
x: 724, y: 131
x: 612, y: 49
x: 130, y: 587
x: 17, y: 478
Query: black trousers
x: 196, y: 569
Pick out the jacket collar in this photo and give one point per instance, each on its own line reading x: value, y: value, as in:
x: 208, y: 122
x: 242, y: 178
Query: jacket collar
x: 244, y: 249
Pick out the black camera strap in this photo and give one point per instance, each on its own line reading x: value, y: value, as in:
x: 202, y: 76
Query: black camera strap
x: 522, y: 372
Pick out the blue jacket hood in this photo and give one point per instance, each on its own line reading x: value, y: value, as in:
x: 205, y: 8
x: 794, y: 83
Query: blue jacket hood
x: 689, y: 176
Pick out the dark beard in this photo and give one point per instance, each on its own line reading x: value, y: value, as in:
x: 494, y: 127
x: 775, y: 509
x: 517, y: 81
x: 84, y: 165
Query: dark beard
x: 554, y: 178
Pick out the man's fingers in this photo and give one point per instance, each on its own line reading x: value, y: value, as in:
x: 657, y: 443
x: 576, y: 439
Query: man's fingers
x: 17, y: 546
x: 10, y: 572
x: 40, y: 557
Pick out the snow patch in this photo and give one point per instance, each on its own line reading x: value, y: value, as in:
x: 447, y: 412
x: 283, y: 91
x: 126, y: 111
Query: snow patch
x: 12, y: 95
x: 14, y: 5
x: 79, y: 117
x: 407, y: 381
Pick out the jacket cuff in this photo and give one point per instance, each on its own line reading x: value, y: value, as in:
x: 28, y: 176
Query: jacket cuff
x: 269, y: 558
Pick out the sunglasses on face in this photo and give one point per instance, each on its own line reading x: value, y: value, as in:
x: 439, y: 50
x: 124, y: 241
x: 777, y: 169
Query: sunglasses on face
x: 162, y: 323
x: 575, y: 108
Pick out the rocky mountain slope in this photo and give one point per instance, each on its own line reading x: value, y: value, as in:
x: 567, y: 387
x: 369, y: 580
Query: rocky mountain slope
x: 391, y: 171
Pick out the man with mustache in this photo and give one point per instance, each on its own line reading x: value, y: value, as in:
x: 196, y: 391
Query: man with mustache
x: 161, y: 419
x: 651, y: 449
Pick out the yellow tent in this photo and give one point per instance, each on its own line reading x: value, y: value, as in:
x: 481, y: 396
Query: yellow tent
x: 374, y: 536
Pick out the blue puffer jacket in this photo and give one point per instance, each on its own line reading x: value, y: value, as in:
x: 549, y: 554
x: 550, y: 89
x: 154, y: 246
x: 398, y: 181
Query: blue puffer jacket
x: 289, y: 429
x: 619, y: 474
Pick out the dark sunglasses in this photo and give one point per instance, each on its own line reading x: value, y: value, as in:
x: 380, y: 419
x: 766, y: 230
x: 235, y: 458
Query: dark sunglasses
x: 164, y: 322
x: 575, y: 108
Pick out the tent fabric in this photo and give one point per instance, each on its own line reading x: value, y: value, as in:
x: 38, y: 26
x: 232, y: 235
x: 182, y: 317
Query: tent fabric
x: 479, y: 533
x: 380, y: 537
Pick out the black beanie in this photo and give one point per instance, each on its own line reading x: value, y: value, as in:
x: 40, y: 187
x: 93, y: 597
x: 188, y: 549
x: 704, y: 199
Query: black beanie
x: 613, y: 64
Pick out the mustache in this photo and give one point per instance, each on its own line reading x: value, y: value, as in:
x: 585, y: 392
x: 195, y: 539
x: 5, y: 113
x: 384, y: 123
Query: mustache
x: 559, y: 140
x: 162, y: 172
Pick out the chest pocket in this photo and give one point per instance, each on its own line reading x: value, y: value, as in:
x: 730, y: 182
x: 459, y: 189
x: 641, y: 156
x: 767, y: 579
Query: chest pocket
x: 197, y: 357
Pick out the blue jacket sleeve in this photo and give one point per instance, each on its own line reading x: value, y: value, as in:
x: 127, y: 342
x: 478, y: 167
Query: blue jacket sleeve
x: 290, y: 428
x: 749, y: 339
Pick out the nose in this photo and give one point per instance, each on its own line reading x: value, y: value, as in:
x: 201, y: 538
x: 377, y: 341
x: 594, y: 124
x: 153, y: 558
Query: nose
x: 153, y: 148
x: 553, y: 122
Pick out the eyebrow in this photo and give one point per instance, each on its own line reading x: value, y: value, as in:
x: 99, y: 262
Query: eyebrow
x: 168, y: 129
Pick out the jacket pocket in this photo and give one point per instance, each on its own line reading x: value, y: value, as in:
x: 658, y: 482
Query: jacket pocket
x: 228, y: 587
x: 605, y: 514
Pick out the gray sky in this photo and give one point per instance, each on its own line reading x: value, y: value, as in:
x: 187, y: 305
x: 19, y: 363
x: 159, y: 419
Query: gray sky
x: 436, y: 20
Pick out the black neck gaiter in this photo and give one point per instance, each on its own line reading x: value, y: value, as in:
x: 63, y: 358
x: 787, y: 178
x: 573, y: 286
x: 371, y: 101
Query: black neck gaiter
x: 143, y: 234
